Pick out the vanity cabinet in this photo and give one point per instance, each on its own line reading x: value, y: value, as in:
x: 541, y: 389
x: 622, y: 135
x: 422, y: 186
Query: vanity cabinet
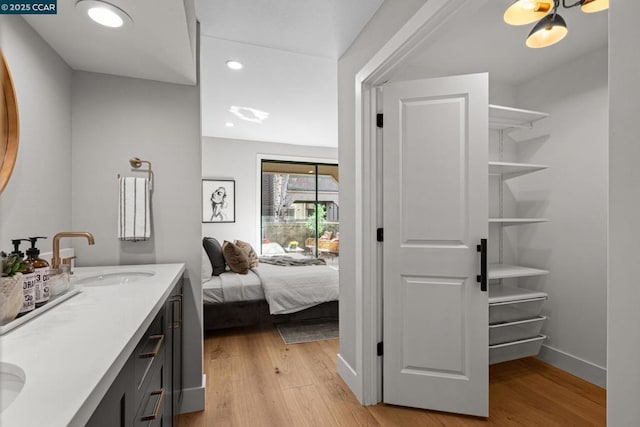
x: 117, y: 405
x: 148, y: 389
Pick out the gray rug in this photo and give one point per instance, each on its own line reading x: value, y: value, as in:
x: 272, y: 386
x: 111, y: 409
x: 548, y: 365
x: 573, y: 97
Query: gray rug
x: 296, y: 333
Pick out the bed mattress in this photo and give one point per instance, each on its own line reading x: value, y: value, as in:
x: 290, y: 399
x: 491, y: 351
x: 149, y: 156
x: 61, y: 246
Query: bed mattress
x: 237, y: 287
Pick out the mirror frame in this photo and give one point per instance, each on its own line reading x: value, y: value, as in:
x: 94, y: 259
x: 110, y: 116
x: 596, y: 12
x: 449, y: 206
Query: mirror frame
x: 10, y: 123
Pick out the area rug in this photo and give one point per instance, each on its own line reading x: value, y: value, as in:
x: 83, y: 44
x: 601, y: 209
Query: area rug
x: 301, y: 332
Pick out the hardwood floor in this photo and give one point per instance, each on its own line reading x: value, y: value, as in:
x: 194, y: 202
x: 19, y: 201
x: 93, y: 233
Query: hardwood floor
x: 254, y: 379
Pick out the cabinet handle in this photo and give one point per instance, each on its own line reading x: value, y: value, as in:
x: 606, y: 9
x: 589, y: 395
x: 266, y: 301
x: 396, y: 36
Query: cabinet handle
x: 156, y: 408
x: 156, y: 350
x: 482, y: 278
x: 177, y: 324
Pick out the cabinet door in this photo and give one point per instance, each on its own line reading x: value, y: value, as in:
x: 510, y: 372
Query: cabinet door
x: 174, y: 352
x: 117, y: 406
x: 152, y: 410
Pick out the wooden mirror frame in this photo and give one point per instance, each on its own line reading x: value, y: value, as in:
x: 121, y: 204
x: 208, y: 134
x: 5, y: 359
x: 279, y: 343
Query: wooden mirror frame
x: 9, y: 124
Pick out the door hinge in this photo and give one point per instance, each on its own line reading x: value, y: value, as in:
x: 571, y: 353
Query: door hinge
x: 379, y: 349
x: 379, y: 120
x: 380, y: 235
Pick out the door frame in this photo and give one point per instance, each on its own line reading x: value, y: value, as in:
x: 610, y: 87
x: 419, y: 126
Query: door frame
x: 367, y: 384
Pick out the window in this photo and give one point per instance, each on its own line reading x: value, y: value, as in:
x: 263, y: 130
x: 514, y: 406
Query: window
x: 300, y: 207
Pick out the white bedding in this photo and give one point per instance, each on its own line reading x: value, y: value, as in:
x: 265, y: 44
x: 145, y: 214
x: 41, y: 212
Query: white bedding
x: 232, y: 287
x: 291, y: 289
x: 286, y: 289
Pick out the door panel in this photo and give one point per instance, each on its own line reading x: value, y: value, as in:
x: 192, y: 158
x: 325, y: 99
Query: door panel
x: 435, y: 301
x: 435, y: 190
x: 439, y: 119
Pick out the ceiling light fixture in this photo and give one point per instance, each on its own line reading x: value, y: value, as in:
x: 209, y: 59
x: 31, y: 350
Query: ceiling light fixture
x: 234, y: 65
x: 249, y: 114
x: 105, y: 13
x: 591, y: 6
x: 551, y: 27
x: 229, y: 124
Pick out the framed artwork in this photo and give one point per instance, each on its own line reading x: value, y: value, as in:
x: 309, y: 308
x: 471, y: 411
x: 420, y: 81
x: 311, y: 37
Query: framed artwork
x: 218, y: 200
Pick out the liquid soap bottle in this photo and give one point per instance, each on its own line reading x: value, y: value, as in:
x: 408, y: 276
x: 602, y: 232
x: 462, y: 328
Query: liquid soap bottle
x: 41, y: 271
x: 28, y: 282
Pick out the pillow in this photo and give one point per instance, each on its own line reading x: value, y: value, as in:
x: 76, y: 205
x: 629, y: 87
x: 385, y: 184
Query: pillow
x: 235, y: 258
x: 207, y: 270
x: 249, y: 252
x: 214, y: 251
x: 272, y: 249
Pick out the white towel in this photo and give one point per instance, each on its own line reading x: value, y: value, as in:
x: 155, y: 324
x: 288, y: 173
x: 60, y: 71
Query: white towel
x: 134, y: 220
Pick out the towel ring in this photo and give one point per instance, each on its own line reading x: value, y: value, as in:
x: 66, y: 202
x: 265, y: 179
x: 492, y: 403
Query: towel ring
x: 136, y: 163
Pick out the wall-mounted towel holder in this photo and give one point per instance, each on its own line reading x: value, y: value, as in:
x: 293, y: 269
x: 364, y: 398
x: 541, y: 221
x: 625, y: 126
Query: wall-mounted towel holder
x: 136, y: 163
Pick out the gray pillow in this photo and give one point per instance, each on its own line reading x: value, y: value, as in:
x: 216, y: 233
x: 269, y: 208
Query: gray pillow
x: 214, y: 252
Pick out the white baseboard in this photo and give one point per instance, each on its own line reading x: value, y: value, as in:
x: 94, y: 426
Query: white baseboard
x: 193, y: 398
x: 350, y: 377
x: 574, y: 365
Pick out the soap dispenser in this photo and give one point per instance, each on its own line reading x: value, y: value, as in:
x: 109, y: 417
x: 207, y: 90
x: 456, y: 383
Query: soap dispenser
x: 41, y: 270
x: 28, y: 281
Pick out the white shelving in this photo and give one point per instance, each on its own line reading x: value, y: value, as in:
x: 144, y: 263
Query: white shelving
x: 508, y: 271
x: 516, y: 221
x: 499, y: 294
x: 511, y: 170
x: 502, y: 118
x: 514, y: 313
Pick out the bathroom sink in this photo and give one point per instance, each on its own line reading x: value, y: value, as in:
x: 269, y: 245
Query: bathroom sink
x: 114, y: 278
x: 12, y: 380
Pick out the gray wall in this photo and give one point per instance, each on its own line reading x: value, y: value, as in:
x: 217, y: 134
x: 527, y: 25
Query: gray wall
x: 37, y: 200
x: 114, y: 119
x: 387, y: 20
x: 77, y: 132
x: 623, y: 380
x: 573, y: 194
x: 238, y: 160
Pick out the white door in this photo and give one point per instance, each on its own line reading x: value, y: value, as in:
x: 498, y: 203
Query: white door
x: 435, y: 190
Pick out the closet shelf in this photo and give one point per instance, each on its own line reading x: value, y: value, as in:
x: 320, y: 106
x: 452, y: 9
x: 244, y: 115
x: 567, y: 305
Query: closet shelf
x: 516, y: 221
x: 507, y: 271
x: 511, y: 170
x: 502, y: 118
x: 503, y: 294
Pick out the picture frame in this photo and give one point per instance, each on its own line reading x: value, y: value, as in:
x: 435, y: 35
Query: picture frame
x: 218, y: 200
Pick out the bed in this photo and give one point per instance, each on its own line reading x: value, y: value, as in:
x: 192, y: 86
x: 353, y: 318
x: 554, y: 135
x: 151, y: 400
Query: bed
x: 269, y: 293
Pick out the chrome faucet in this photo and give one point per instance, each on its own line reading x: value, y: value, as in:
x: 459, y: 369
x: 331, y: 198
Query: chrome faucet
x: 55, y: 262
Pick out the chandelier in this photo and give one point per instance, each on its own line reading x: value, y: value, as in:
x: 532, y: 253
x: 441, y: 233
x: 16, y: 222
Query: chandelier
x: 551, y: 27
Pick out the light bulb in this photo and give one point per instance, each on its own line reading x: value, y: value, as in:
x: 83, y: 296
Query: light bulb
x: 550, y: 30
x: 591, y: 6
x: 105, y: 17
x: 524, y: 12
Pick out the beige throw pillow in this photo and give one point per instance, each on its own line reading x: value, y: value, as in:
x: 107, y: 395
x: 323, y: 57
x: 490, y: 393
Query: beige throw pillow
x: 235, y: 258
x: 249, y: 252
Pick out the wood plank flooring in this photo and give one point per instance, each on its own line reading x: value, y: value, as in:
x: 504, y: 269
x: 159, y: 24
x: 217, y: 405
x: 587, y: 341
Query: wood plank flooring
x: 254, y: 379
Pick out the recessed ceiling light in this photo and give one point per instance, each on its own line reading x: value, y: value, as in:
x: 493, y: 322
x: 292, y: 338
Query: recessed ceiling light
x: 229, y: 124
x: 105, y: 13
x: 249, y: 114
x: 234, y: 65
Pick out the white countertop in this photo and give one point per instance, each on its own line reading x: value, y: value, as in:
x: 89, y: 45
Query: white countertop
x: 72, y: 353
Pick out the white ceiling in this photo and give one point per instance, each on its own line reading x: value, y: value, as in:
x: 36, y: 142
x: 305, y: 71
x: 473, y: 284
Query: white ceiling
x: 299, y: 92
x: 478, y: 40
x: 160, y: 45
x: 290, y: 50
x: 323, y: 28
